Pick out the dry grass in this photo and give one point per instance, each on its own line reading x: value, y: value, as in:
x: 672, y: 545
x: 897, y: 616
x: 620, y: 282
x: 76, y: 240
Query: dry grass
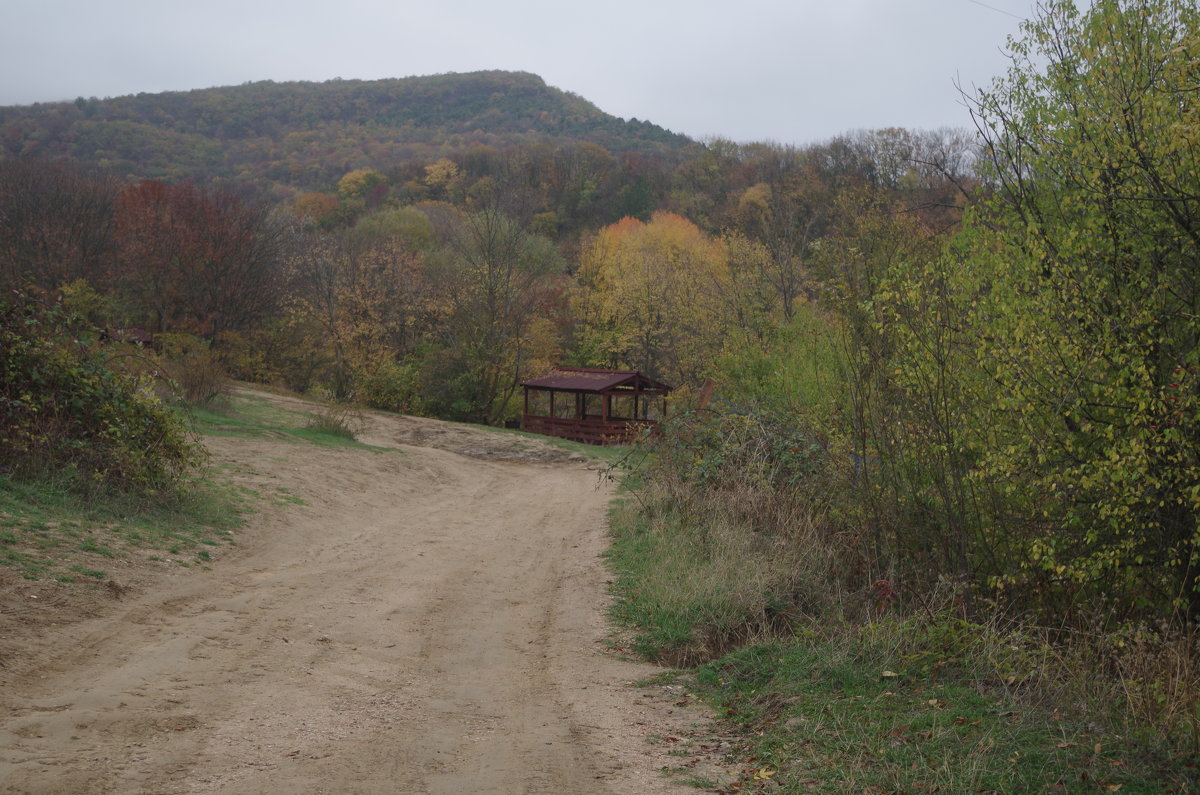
x: 337, y: 419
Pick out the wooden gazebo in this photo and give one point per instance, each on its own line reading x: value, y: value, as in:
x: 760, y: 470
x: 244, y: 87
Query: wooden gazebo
x: 591, y: 405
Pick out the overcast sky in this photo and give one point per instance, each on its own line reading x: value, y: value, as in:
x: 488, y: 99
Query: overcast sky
x: 790, y: 71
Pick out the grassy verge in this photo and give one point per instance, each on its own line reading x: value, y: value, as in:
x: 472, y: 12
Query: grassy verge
x: 828, y: 714
x: 819, y: 704
x: 50, y: 530
x: 249, y: 416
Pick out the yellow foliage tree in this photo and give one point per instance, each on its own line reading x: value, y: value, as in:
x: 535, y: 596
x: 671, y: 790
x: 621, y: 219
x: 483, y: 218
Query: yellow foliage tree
x: 652, y: 297
x: 443, y: 178
x: 359, y: 183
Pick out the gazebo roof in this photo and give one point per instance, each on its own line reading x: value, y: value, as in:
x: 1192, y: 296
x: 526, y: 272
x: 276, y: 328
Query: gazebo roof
x: 587, y: 379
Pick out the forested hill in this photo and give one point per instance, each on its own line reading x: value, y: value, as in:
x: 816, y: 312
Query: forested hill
x: 307, y: 135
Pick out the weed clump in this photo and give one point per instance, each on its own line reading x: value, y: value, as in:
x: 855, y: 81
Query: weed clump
x: 734, y: 538
x: 336, y: 419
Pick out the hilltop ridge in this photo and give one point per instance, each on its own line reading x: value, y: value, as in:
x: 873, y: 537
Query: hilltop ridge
x: 305, y: 135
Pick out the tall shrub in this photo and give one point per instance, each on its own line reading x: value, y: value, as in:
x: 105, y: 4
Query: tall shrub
x: 63, y: 408
x: 1089, y: 291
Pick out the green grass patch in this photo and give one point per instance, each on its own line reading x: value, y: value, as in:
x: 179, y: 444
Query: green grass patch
x: 95, y: 574
x: 334, y: 425
x: 284, y: 496
x: 99, y: 549
x: 248, y: 416
x: 52, y: 530
x: 818, y: 714
x: 651, y: 569
x: 30, y: 566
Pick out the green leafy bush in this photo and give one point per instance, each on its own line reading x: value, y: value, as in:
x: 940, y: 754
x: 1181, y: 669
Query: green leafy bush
x: 391, y: 386
x: 64, y: 408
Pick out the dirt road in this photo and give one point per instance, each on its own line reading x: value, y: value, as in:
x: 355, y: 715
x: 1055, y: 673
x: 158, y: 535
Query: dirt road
x: 430, y: 620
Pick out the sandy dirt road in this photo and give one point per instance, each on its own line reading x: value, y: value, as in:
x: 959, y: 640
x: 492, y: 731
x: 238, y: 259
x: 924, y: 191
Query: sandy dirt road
x: 430, y: 620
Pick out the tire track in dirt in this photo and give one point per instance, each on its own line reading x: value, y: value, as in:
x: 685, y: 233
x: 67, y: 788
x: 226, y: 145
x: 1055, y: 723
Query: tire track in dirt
x: 428, y: 622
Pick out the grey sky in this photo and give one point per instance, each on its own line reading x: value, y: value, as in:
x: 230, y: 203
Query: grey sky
x: 750, y: 70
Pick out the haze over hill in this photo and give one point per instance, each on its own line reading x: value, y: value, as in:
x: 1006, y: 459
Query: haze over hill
x: 306, y: 135
x: 790, y: 72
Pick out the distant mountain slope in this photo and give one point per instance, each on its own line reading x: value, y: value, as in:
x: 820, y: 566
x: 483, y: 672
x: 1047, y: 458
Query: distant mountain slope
x: 306, y: 135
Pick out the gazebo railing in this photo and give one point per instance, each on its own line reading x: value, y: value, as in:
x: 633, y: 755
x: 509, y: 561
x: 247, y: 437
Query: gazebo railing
x: 589, y: 431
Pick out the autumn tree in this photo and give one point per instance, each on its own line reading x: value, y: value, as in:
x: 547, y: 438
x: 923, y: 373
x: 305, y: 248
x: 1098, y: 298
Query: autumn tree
x: 785, y: 219
x: 56, y: 224
x: 444, y: 179
x: 498, y: 285
x: 361, y: 183
x: 931, y: 173
x: 580, y: 178
x: 650, y: 296
x: 314, y: 207
x: 196, y: 261
x: 504, y: 283
x: 408, y: 226
x: 362, y: 304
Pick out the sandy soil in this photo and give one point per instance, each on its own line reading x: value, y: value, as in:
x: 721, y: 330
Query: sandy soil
x: 429, y: 621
